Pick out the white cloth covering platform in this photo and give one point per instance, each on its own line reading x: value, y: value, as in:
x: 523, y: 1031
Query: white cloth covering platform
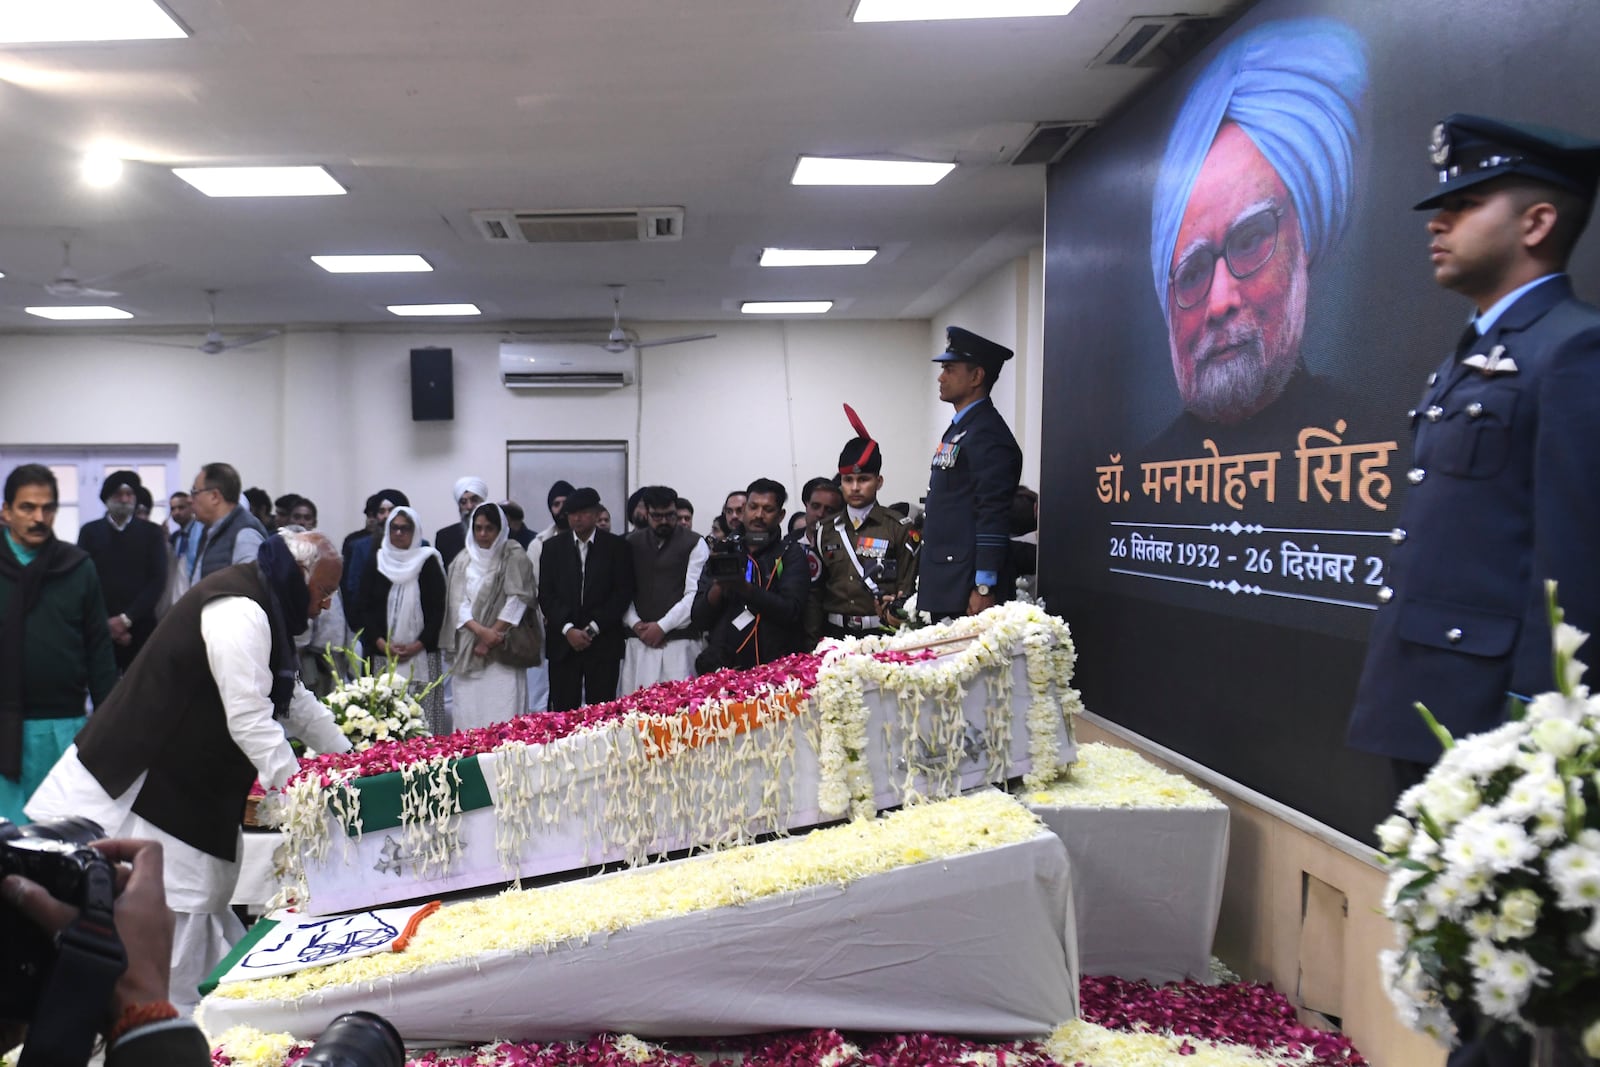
x: 1146, y: 886
x: 381, y: 866
x: 980, y: 944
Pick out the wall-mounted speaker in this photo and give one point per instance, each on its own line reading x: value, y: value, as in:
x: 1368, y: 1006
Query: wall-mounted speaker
x: 433, y: 390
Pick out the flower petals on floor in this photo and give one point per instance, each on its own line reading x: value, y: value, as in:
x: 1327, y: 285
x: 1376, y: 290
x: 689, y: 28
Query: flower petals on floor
x: 1125, y: 1025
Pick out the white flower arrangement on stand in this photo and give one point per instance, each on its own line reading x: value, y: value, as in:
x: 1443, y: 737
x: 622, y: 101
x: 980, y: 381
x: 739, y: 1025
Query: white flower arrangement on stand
x: 377, y: 706
x: 1495, y: 858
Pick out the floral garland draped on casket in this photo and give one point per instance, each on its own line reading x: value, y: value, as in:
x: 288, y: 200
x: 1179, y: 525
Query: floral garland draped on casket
x: 711, y: 761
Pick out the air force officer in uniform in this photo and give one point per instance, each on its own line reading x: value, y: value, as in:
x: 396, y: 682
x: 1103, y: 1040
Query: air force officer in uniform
x: 967, y: 526
x: 1505, y: 479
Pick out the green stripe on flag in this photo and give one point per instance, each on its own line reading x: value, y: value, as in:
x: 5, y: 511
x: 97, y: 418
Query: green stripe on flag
x: 381, y: 794
x: 252, y: 937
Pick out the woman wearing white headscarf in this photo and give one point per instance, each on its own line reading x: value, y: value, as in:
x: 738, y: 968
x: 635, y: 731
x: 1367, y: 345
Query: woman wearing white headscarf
x: 404, y: 593
x: 491, y: 586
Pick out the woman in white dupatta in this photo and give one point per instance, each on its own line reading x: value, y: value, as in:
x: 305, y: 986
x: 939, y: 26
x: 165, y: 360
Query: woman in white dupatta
x: 491, y: 587
x: 404, y: 592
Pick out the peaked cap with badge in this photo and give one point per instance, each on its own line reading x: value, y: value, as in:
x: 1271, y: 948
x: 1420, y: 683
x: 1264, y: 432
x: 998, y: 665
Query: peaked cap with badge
x: 964, y: 346
x: 1501, y: 494
x: 1468, y: 150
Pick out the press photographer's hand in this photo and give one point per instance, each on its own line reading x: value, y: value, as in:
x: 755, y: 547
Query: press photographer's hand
x: 144, y: 922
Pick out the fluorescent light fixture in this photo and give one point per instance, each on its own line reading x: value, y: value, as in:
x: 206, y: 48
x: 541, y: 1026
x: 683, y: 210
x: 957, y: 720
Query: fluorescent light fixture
x: 785, y: 307
x: 817, y: 170
x: 816, y: 257
x: 398, y: 264
x: 51, y: 21
x: 79, y: 312
x: 100, y: 169
x: 930, y: 10
x: 261, y: 181
x: 434, y: 309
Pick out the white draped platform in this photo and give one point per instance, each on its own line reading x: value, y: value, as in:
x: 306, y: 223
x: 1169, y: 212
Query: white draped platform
x: 981, y: 944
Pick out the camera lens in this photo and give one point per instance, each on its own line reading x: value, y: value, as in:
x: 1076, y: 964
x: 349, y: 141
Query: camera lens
x: 357, y: 1039
x: 73, y: 830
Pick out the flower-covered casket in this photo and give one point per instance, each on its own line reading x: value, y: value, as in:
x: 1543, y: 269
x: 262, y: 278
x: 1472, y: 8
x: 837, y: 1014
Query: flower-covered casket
x: 952, y: 915
x: 860, y: 726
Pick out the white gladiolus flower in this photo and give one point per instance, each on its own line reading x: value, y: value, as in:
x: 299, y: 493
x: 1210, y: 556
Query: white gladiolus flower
x: 1560, y: 737
x: 1557, y: 706
x: 1575, y: 873
x: 1480, y: 924
x: 1410, y: 801
x: 1591, y: 1041
x: 1449, y: 798
x: 1394, y: 834
x: 1568, y: 639
x: 1519, y: 915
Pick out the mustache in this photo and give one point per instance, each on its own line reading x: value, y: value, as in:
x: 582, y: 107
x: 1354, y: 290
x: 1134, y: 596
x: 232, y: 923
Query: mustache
x: 1235, y: 335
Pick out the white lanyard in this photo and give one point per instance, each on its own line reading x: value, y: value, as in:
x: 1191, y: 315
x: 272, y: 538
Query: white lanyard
x: 851, y: 552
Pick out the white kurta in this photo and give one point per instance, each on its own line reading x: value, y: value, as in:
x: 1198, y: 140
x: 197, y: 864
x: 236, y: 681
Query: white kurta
x: 644, y: 666
x: 495, y: 692
x: 199, y: 885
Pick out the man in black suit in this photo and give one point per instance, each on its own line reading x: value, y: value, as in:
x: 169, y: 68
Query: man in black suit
x: 585, y: 587
x: 966, y: 534
x: 469, y: 493
x: 1506, y: 455
x: 131, y: 556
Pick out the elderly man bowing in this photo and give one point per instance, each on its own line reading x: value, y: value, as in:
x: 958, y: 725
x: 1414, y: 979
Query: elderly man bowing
x: 204, y: 712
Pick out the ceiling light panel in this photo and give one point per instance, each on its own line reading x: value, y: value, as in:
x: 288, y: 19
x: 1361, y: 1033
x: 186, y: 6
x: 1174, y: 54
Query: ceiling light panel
x: 817, y: 170
x: 261, y: 181
x: 786, y: 307
x: 816, y: 257
x: 932, y: 10
x: 79, y: 312
x: 434, y: 309
x: 54, y: 21
x: 381, y: 264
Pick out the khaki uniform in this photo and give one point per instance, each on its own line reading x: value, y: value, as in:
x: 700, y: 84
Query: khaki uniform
x: 842, y: 603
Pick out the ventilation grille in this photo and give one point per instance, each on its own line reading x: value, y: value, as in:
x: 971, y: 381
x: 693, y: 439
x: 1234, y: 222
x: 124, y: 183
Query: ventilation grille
x: 1049, y: 141
x: 1155, y: 41
x: 589, y: 380
x: 583, y: 226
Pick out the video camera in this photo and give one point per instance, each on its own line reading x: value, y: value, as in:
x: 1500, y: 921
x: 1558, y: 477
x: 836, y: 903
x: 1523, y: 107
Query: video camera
x: 728, y: 559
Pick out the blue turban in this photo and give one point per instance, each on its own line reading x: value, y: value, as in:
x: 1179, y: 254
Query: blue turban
x: 1294, y: 88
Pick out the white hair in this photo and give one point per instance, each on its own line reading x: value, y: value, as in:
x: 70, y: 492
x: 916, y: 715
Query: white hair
x: 309, y: 548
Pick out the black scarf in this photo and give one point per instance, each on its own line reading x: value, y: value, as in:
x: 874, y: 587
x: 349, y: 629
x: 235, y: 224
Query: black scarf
x: 288, y: 601
x: 53, y: 558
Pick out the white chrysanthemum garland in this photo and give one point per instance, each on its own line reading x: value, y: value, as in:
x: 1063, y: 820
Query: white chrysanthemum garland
x: 1495, y: 858
x: 988, y: 643
x: 536, y: 920
x: 1106, y: 776
x: 722, y: 774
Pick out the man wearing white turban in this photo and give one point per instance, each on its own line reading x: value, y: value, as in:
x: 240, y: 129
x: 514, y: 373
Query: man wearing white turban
x: 469, y: 492
x: 1254, y: 189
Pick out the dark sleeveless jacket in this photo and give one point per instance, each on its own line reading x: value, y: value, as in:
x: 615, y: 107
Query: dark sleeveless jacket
x: 658, y: 574
x: 166, y: 717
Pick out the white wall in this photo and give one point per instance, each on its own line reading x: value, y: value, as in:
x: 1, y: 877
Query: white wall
x: 1007, y: 307
x: 328, y: 413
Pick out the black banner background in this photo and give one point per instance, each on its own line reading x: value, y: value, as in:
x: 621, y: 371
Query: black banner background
x: 1259, y: 684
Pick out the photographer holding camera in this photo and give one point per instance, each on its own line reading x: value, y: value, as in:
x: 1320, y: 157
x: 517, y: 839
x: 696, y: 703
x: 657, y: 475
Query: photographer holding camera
x: 752, y: 594
x: 86, y: 950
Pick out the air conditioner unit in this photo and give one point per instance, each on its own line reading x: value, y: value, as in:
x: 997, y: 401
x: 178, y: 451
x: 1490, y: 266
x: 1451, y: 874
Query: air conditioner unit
x: 563, y: 365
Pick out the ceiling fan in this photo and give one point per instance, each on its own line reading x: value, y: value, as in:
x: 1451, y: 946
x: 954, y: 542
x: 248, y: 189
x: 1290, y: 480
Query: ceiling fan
x: 619, y: 340
x: 68, y: 285
x: 214, y: 341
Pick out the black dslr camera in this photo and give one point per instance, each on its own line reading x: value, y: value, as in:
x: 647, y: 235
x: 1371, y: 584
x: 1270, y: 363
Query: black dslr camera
x: 55, y: 854
x: 728, y: 559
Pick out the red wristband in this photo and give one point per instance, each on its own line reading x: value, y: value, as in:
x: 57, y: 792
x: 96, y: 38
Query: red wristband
x: 136, y: 1015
